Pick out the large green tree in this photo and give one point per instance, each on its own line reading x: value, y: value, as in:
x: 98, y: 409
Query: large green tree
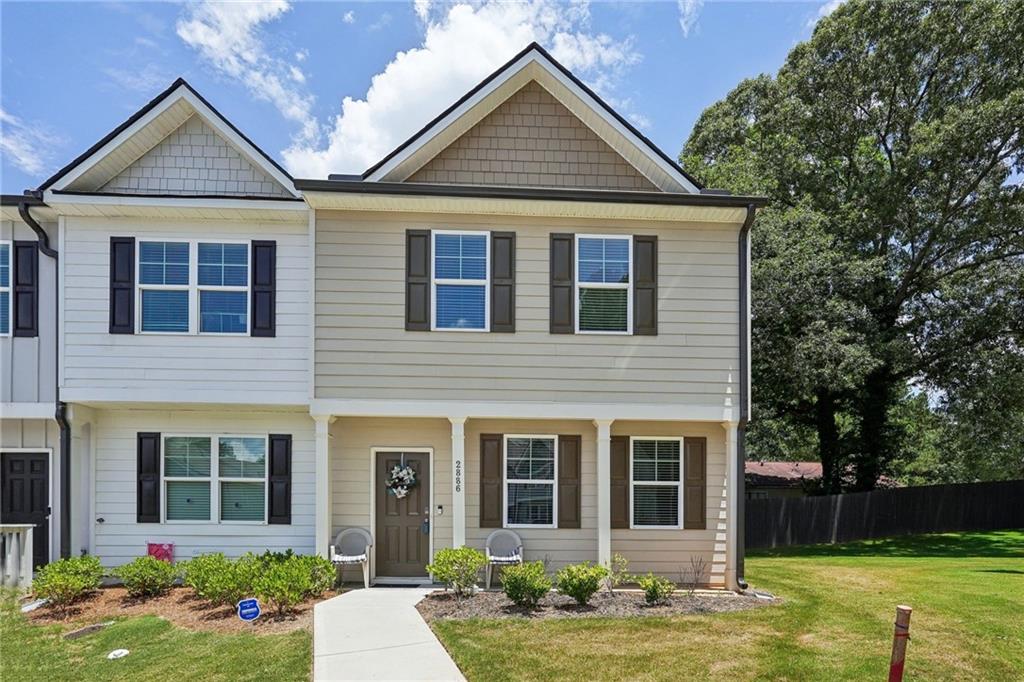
x: 891, y: 256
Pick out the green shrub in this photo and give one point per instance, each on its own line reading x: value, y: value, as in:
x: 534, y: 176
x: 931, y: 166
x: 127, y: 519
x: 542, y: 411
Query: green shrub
x: 220, y: 580
x: 525, y: 584
x: 618, y: 573
x: 322, y: 574
x: 283, y: 584
x: 147, y: 576
x: 581, y: 581
x: 279, y: 579
x: 656, y: 589
x: 67, y: 580
x: 458, y: 568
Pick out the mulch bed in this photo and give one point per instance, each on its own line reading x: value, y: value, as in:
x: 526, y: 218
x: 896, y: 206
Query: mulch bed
x: 180, y: 606
x: 443, y: 605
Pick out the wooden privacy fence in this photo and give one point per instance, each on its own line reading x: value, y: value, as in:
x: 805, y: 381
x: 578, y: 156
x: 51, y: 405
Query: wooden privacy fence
x: 778, y: 522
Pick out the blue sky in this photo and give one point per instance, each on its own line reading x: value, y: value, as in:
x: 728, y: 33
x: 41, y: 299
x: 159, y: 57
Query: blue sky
x: 333, y: 86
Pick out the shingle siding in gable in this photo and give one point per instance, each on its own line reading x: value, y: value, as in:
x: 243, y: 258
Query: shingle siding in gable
x: 194, y: 160
x: 532, y: 140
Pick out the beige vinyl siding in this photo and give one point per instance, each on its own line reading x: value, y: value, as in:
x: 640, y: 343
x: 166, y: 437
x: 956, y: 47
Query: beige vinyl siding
x: 364, y: 352
x: 532, y: 140
x: 350, y: 456
x: 210, y: 367
x: 120, y: 539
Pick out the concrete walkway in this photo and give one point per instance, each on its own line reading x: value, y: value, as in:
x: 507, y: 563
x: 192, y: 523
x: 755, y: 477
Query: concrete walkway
x: 377, y: 634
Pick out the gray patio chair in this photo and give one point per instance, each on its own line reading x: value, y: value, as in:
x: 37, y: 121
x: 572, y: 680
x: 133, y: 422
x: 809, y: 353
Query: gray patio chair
x: 352, y: 546
x: 503, y: 548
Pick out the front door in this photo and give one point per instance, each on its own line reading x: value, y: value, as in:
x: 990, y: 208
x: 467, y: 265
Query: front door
x: 403, y: 524
x: 25, y: 495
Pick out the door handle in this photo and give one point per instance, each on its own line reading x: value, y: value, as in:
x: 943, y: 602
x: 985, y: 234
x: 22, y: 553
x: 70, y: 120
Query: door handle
x: 425, y: 526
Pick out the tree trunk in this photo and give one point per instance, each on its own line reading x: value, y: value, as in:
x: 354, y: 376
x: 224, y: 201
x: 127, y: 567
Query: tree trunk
x: 828, y: 443
x: 875, y: 447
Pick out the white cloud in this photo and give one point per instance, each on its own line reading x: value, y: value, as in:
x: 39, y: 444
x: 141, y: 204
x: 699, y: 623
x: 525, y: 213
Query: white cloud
x: 382, y: 21
x: 349, y: 17
x: 301, y: 55
x: 148, y: 80
x: 27, y: 146
x: 823, y: 12
x: 461, y: 45
x: 689, y: 13
x: 229, y: 35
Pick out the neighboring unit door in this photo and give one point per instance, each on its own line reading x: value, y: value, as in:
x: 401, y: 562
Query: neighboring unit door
x: 403, y: 525
x: 25, y: 497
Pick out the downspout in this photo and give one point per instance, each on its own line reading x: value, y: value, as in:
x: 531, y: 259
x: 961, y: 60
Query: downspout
x: 60, y: 412
x: 741, y: 431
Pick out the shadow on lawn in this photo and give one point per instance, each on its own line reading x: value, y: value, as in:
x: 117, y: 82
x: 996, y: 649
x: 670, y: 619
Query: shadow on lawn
x: 1003, y: 543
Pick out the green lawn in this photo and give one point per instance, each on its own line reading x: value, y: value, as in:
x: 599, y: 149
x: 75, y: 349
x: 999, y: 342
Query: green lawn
x: 967, y: 590
x: 159, y: 651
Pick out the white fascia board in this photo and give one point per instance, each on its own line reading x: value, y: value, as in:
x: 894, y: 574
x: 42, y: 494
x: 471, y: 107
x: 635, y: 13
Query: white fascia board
x: 324, y: 407
x: 140, y: 397
x: 56, y: 200
x: 181, y: 93
x: 27, y: 410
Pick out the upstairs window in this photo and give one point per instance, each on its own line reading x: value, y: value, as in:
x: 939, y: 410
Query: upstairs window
x: 530, y: 474
x: 604, y: 300
x: 5, y: 288
x: 193, y: 287
x: 460, y: 281
x: 655, y: 468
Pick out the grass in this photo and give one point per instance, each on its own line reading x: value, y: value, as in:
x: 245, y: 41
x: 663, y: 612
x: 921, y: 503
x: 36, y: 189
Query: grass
x: 967, y: 591
x: 159, y: 651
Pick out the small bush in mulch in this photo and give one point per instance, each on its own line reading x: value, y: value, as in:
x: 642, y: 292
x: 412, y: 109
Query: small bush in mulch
x: 147, y: 576
x: 66, y: 581
x: 656, y: 589
x: 458, y: 568
x: 525, y: 584
x: 623, y: 604
x: 581, y: 581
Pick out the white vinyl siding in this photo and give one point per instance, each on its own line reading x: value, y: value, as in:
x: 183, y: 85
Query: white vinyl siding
x: 204, y: 368
x: 363, y: 351
x: 119, y: 538
x: 530, y: 467
x: 604, y: 284
x: 5, y: 288
x: 461, y: 287
x: 656, y: 491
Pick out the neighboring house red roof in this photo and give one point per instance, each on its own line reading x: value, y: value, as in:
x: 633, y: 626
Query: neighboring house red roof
x: 781, y: 474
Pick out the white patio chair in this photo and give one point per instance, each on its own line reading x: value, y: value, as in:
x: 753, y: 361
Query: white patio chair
x: 353, y: 547
x: 503, y: 548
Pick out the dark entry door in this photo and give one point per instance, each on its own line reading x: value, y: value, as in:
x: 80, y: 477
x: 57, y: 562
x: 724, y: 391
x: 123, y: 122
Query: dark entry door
x: 403, y: 525
x: 25, y: 486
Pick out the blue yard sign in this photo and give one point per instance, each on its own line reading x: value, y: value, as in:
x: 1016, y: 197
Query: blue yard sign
x: 248, y: 609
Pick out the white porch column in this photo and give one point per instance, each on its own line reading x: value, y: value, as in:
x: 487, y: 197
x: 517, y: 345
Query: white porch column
x: 732, y: 504
x: 458, y: 510
x: 323, y: 483
x: 604, y: 491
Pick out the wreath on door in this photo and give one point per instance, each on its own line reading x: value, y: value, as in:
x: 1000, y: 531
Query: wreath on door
x: 400, y: 480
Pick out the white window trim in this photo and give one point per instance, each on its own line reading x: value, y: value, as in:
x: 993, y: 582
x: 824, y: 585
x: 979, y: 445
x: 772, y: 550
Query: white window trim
x: 9, y: 288
x: 678, y: 484
x: 193, y: 287
x: 214, y: 479
x: 577, y: 285
x: 506, y: 481
x: 434, y: 281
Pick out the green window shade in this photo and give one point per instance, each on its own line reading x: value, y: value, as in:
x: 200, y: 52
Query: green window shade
x: 243, y: 458
x: 241, y: 501
x: 603, y: 310
x: 188, y: 501
x: 655, y: 505
x: 186, y: 457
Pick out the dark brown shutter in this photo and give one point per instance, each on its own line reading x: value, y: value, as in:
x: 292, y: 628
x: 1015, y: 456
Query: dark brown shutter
x: 563, y: 303
x: 264, y: 289
x: 25, y: 289
x: 279, y: 489
x: 492, y: 492
x: 569, y: 461
x: 503, y: 281
x: 645, y: 286
x: 620, y: 481
x: 147, y: 472
x: 417, y: 280
x: 695, y: 482
x: 122, y: 285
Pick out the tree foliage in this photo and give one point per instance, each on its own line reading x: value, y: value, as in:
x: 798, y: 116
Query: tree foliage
x: 890, y: 261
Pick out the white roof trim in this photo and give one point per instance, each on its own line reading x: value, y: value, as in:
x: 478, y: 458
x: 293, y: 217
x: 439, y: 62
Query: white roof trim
x: 209, y: 116
x: 532, y: 57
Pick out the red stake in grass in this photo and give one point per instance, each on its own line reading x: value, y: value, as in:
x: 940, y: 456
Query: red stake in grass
x: 900, y: 635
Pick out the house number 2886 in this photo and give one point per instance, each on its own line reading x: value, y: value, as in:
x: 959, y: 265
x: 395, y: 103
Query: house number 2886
x: 458, y: 475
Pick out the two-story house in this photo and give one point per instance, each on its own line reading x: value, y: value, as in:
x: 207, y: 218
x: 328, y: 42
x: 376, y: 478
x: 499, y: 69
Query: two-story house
x: 527, y: 305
